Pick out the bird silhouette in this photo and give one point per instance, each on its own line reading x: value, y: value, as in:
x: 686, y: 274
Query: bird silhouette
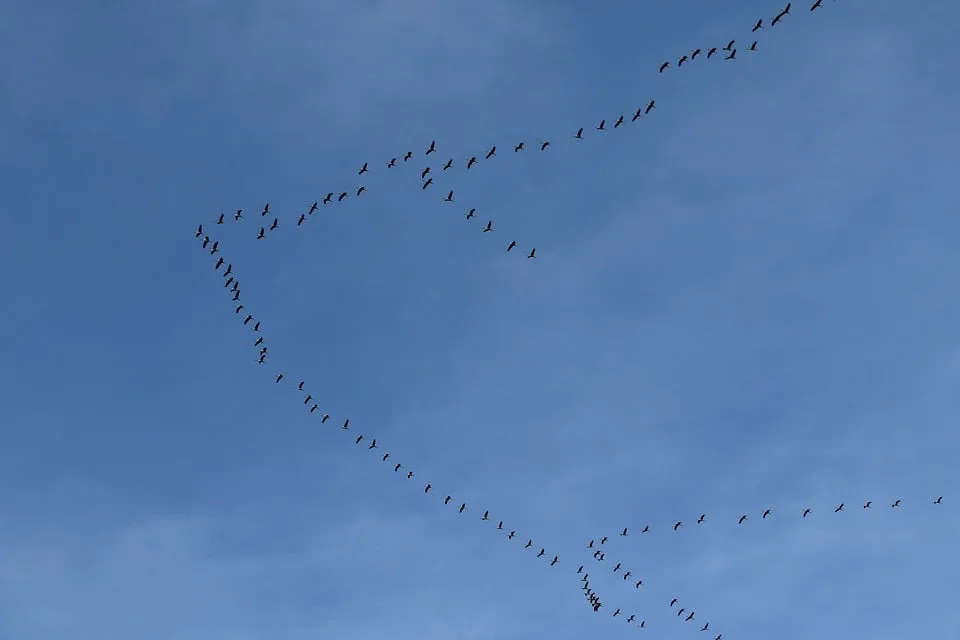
x: 766, y: 513
x: 839, y: 508
x: 511, y: 245
x: 806, y: 511
x: 519, y: 147
x: 759, y: 25
x: 533, y: 253
x: 664, y: 66
x: 449, y: 197
x: 491, y: 153
x: 489, y: 226
x: 472, y: 161
x: 678, y: 525
x: 220, y: 219
x: 363, y: 169
x: 579, y: 133
x: 544, y: 145
x: 432, y: 148
x: 448, y: 164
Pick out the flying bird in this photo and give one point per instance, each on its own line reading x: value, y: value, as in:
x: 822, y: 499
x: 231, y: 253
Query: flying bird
x: 519, y: 147
x: 839, y: 508
x: 449, y: 197
x: 752, y: 47
x: 729, y: 46
x: 343, y: 194
x: 301, y: 219
x: 579, y: 133
x: 363, y: 169
x: 742, y: 518
x: 678, y: 525
x: 407, y: 155
x: 361, y: 189
x: 274, y: 224
x: 448, y: 165
x: 766, y: 513
x: 664, y: 66
x: 432, y: 148
x: 682, y: 59
x: 392, y: 163
x: 490, y: 154
x: 279, y: 377
x: 533, y: 253
x: 712, y: 51
x: 471, y: 213
x: 600, y: 126
x: 489, y: 226
x: 427, y: 183
x: 732, y: 55
x: 806, y: 511
x: 472, y: 161
x: 757, y: 26
x: 544, y: 145
x: 624, y: 532
x: 512, y: 244
x: 220, y: 219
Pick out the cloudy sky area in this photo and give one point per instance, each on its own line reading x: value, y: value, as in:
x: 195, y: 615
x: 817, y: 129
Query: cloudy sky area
x: 746, y: 299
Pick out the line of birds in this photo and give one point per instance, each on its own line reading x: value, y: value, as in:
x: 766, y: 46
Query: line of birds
x: 744, y: 517
x: 426, y: 174
x: 312, y: 405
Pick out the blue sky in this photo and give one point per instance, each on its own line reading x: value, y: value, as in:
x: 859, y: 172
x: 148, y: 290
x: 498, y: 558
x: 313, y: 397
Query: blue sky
x: 744, y: 300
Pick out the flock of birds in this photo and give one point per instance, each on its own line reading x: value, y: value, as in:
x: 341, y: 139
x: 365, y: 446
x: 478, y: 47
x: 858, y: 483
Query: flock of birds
x: 311, y: 403
x: 427, y: 174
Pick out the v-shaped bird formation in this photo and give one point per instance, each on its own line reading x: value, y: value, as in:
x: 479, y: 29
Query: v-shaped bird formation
x: 431, y: 174
x: 269, y: 222
x: 314, y: 406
